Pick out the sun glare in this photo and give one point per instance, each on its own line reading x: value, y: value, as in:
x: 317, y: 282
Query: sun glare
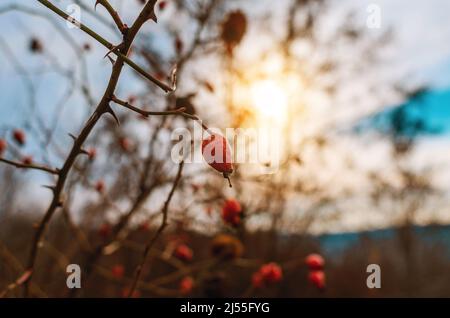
x: 269, y: 99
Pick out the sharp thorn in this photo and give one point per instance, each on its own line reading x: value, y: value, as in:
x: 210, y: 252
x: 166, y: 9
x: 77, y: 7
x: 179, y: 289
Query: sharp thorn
x: 52, y: 188
x: 110, y: 111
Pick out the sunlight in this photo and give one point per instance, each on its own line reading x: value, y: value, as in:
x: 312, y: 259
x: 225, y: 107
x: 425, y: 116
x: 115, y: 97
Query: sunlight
x: 269, y: 99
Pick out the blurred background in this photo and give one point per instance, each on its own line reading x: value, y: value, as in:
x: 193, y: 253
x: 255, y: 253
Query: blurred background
x: 355, y: 96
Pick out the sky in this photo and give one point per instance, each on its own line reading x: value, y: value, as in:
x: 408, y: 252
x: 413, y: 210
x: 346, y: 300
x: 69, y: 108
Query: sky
x: 421, y: 54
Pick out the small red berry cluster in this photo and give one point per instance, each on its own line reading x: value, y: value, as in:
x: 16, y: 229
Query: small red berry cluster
x: 316, y: 276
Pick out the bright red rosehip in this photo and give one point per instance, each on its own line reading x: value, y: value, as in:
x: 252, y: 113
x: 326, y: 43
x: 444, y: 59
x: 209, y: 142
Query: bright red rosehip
x: 186, y: 285
x: 118, y: 271
x: 271, y: 273
x: 19, y: 136
x: 317, y: 278
x: 3, y: 146
x: 184, y: 253
x: 314, y: 262
x: 231, y: 212
x: 217, y: 154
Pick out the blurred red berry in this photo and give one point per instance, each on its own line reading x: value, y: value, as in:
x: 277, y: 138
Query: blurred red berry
x: 161, y: 76
x: 162, y: 5
x: 271, y: 272
x: 231, y: 212
x: 100, y: 186
x: 195, y: 187
x: 257, y: 280
x: 217, y: 154
x: 92, y: 153
x: 87, y: 46
x: 183, y: 252
x: 118, y: 271
x: 27, y: 160
x: 268, y: 274
x: 19, y: 136
x: 3, y: 146
x: 104, y: 230
x: 144, y: 226
x: 317, y: 278
x: 125, y: 144
x: 233, y: 29
x: 186, y: 285
x: 132, y: 99
x: 178, y: 45
x: 314, y: 262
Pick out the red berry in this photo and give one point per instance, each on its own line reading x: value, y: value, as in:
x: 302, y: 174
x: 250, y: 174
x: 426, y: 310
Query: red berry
x: 195, y: 187
x: 217, y: 154
x: 125, y: 144
x: 104, y: 230
x: 100, y: 186
x: 145, y: 226
x: 118, y: 271
x: 3, y: 146
x: 87, y: 46
x: 314, y: 262
x: 178, y: 45
x: 186, y: 285
x: 231, y: 212
x: 183, y: 252
x: 162, y: 5
x: 132, y: 99
x: 271, y: 272
x: 92, y: 153
x: 317, y: 278
x: 257, y: 280
x: 160, y: 76
x: 19, y: 136
x: 27, y: 160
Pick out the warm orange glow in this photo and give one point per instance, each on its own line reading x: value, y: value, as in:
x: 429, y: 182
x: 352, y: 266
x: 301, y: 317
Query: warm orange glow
x: 269, y: 99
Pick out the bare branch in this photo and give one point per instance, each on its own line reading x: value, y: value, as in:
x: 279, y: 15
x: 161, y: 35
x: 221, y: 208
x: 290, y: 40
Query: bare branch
x: 21, y: 165
x: 161, y: 228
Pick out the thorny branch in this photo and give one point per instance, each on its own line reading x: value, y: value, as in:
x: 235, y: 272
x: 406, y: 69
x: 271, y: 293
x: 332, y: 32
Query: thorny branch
x: 102, y: 108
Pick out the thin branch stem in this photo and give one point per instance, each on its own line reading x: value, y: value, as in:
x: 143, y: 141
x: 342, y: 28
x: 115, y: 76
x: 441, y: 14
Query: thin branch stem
x: 161, y: 228
x: 114, y: 49
x: 117, y: 20
x: 29, y: 166
x: 145, y: 113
